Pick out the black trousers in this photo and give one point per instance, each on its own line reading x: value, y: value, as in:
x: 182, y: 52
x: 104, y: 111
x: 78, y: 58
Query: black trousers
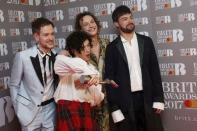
x: 135, y: 116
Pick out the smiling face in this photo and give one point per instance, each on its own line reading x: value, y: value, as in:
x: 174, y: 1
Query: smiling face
x: 89, y: 25
x: 125, y: 23
x: 85, y: 51
x: 45, y: 38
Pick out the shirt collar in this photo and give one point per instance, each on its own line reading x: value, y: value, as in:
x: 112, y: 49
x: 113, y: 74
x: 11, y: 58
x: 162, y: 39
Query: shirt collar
x: 132, y: 40
x: 41, y: 53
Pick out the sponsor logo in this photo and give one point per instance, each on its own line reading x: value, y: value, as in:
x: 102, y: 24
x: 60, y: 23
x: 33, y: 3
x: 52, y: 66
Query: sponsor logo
x: 163, y: 19
x: 72, y: 12
x: 167, y: 4
x: 67, y: 28
x: 188, y: 52
x: 55, y: 15
x: 1, y: 16
x: 14, y: 32
x: 170, y: 36
x: 4, y: 66
x: 186, y: 17
x: 3, y: 49
x: 165, y: 53
x: 16, y: 16
x: 172, y: 69
x: 19, y: 46
x: 136, y: 5
x: 104, y: 9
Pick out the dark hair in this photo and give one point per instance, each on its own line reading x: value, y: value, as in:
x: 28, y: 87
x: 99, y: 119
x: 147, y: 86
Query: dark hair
x: 40, y: 22
x: 76, y: 40
x: 81, y: 15
x: 119, y: 11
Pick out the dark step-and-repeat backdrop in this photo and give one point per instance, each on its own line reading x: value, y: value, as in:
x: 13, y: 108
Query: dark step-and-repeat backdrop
x: 171, y: 23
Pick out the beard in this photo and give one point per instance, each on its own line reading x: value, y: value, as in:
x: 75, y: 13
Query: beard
x: 128, y: 29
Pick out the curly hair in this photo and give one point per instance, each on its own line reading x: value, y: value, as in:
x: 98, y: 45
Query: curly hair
x: 75, y: 41
x: 81, y: 15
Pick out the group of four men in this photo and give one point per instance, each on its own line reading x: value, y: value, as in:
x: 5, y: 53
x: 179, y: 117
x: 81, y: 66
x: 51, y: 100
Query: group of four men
x: 130, y: 60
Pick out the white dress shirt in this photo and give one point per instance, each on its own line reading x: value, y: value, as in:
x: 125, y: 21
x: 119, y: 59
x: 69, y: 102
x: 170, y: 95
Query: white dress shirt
x: 70, y: 69
x: 132, y: 52
x: 48, y: 86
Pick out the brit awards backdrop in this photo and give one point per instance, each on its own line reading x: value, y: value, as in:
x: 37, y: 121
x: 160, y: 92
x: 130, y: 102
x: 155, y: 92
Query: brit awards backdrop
x: 172, y: 24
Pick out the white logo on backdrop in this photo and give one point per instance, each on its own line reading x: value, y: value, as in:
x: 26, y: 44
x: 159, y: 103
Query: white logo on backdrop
x: 170, y: 36
x: 172, y: 69
x: 136, y: 5
x: 3, y: 49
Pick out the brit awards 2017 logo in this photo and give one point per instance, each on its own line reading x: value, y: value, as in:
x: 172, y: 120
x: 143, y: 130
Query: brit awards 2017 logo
x: 104, y: 9
x: 141, y: 21
x: 163, y: 19
x: 188, y: 52
x: 4, y: 66
x: 167, y: 4
x: 110, y: 37
x: 14, y: 32
x: 170, y: 36
x: 172, y: 69
x: 186, y: 17
x: 72, y: 12
x: 55, y: 15
x: 34, y: 15
x: 1, y: 16
x: 175, y: 93
x: 165, y: 53
x: 2, y: 33
x: 16, y: 16
x: 3, y: 49
x: 136, y: 5
x: 67, y: 28
x: 194, y: 34
x: 19, y: 46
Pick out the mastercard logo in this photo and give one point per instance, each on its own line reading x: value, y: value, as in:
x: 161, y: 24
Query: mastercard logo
x: 190, y: 103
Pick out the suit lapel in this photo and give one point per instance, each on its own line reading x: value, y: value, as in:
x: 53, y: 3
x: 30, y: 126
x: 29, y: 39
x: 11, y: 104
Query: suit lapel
x: 141, y: 48
x: 36, y: 64
x: 120, y: 47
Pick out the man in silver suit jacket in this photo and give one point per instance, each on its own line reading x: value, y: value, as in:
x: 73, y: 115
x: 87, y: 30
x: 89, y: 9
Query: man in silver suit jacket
x: 33, y: 80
